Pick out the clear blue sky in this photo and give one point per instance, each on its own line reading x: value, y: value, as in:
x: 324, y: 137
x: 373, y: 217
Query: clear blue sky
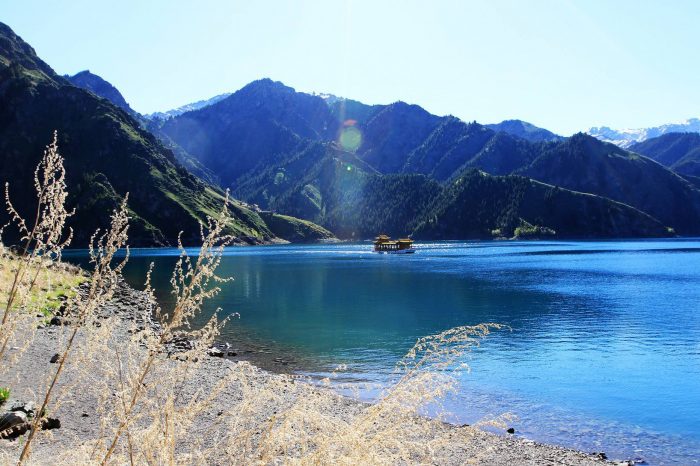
x: 561, y: 64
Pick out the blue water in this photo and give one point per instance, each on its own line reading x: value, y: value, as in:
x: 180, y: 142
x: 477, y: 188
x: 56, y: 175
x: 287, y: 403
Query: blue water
x: 603, y: 352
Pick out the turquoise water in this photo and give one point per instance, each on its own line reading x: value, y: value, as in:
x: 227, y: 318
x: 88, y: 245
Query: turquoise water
x: 603, y: 355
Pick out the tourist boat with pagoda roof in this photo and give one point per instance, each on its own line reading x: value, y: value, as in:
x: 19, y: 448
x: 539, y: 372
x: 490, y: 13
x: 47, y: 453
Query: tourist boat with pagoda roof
x: 384, y: 244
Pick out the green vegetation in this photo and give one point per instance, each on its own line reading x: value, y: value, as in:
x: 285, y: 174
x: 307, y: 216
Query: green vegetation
x: 528, y: 231
x: 294, y: 229
x: 52, y: 287
x: 4, y: 395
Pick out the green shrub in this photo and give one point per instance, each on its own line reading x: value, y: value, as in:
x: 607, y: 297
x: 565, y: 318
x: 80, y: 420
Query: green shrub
x: 4, y: 395
x: 527, y: 230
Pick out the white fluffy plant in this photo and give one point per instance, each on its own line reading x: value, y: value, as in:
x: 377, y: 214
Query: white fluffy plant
x: 103, y: 281
x: 160, y: 416
x: 40, y: 244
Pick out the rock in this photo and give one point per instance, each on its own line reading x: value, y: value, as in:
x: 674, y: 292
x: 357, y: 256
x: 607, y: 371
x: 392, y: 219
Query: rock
x: 601, y: 455
x: 215, y: 353
x: 13, y: 424
x: 510, y: 430
x: 179, y: 343
x: 57, y: 320
x: 55, y: 358
x: 26, y: 408
x: 61, y: 311
x: 232, y: 353
x: 51, y: 423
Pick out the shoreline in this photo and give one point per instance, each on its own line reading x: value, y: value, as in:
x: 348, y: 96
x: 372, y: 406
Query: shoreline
x: 78, y: 424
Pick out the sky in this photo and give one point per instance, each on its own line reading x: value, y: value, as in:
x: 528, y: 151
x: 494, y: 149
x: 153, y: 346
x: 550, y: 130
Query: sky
x: 564, y: 65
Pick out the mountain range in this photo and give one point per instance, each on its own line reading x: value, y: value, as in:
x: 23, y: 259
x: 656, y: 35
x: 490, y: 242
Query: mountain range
x: 264, y: 141
x: 352, y: 168
x: 627, y: 137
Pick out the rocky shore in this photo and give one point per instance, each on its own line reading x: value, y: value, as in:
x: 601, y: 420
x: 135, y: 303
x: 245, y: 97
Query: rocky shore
x: 76, y: 420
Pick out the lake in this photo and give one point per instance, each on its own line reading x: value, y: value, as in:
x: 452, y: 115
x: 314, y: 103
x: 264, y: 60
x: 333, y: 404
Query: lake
x: 603, y: 351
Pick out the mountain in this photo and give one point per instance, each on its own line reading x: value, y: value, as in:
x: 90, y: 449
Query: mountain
x: 101, y: 88
x: 186, y: 108
x: 393, y: 132
x: 627, y: 137
x: 525, y: 130
x: 585, y: 164
x: 678, y: 151
x: 251, y: 129
x: 107, y: 154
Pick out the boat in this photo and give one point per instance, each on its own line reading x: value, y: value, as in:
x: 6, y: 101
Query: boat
x: 384, y: 244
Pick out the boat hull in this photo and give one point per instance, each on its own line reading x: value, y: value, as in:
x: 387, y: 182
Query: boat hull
x: 400, y: 251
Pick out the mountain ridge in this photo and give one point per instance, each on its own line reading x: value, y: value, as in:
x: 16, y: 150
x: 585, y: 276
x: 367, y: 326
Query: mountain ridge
x: 678, y: 151
x: 627, y: 137
x: 187, y: 107
x: 100, y: 87
x: 525, y: 130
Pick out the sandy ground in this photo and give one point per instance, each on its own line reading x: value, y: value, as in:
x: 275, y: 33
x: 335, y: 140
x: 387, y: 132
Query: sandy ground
x: 80, y: 419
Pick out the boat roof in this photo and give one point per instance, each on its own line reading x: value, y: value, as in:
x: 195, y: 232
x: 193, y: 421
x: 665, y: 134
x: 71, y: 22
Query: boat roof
x: 387, y: 239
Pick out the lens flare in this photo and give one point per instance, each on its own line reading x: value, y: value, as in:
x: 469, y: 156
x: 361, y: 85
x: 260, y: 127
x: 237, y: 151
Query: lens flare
x: 350, y: 138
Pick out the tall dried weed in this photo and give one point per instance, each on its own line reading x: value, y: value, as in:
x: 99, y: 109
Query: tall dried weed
x: 40, y: 245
